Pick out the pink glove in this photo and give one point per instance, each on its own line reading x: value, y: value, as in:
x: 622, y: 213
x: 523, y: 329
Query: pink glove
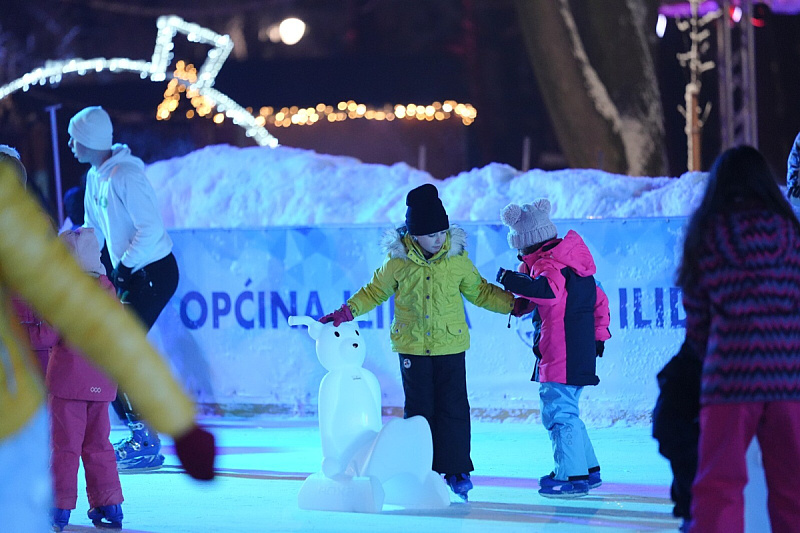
x: 522, y: 306
x: 196, y: 451
x: 343, y: 314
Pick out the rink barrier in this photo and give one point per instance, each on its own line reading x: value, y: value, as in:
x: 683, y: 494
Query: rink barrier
x: 226, y: 335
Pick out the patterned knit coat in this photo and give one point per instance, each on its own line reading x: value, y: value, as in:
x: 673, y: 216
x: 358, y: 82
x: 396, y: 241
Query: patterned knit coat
x: 743, y: 314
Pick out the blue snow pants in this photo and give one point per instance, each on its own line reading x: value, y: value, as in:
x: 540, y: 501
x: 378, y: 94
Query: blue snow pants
x: 572, y: 450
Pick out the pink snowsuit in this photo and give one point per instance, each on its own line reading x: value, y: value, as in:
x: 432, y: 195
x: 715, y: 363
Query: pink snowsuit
x: 78, y: 398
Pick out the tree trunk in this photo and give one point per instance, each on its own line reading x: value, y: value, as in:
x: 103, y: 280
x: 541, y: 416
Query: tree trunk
x: 595, y: 70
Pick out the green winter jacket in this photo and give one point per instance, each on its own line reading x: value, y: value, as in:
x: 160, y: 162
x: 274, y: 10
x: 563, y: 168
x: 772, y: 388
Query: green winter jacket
x: 429, y: 314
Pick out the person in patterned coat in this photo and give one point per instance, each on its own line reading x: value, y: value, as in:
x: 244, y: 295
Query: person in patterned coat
x: 740, y: 276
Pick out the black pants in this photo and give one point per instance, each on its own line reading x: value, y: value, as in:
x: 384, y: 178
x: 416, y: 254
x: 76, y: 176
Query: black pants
x: 436, y: 388
x: 679, y: 446
x: 151, y: 288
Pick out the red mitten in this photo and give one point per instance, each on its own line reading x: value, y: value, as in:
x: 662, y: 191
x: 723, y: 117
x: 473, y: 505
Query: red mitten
x: 196, y: 451
x: 343, y: 314
x: 522, y: 306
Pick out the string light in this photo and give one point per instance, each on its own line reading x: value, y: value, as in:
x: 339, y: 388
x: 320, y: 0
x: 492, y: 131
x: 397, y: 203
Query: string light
x: 198, y: 87
x: 185, y: 75
x: 351, y: 110
x: 156, y: 69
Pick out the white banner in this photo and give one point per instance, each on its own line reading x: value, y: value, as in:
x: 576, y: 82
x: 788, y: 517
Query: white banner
x: 226, y: 334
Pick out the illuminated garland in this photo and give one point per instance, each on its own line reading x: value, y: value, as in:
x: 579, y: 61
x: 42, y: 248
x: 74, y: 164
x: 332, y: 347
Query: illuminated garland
x: 156, y: 70
x: 185, y: 80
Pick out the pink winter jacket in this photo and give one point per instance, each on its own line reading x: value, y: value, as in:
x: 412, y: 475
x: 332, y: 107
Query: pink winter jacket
x: 571, y: 311
x: 71, y: 376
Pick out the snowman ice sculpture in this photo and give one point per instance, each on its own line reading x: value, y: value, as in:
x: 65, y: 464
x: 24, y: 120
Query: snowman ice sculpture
x: 364, y: 464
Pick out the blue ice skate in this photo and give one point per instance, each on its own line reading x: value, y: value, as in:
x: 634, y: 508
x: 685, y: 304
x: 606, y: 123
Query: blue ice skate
x: 594, y: 480
x: 106, y: 516
x: 555, y: 488
x: 460, y: 484
x: 140, y: 451
x: 60, y: 518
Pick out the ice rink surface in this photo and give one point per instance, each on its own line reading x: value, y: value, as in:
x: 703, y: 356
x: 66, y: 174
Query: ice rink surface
x: 263, y: 461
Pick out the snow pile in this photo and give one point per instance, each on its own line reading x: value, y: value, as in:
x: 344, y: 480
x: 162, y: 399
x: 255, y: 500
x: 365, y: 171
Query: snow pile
x: 228, y: 187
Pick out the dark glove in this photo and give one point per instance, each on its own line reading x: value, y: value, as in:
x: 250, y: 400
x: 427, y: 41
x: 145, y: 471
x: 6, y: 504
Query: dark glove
x: 522, y: 306
x: 343, y: 314
x: 599, y: 348
x: 196, y: 451
x: 500, y: 275
x: 121, y: 277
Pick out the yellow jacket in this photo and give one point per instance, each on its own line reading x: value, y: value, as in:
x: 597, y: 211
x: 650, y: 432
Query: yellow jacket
x: 37, y: 267
x: 429, y: 314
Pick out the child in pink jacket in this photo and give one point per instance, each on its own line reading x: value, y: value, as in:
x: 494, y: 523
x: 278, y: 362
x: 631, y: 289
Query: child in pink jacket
x: 78, y: 398
x: 570, y: 317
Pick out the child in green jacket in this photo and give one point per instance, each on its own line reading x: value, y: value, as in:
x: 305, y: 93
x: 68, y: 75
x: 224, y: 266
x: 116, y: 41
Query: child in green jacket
x: 427, y: 270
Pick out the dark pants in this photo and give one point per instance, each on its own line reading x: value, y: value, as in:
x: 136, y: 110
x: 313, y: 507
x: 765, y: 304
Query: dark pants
x: 436, y: 388
x: 151, y: 288
x: 676, y: 426
x: 679, y: 446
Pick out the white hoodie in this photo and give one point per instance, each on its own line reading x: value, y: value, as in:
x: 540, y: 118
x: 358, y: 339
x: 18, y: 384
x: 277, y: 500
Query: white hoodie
x: 121, y: 206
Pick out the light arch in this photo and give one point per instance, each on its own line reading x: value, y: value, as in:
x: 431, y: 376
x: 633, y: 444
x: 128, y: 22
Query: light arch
x: 156, y: 69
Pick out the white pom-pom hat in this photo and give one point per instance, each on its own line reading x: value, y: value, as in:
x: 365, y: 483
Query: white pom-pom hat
x: 529, y: 224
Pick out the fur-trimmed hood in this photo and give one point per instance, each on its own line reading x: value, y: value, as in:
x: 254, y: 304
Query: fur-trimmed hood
x: 395, y: 242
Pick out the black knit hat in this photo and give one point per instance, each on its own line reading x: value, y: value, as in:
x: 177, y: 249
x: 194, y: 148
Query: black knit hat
x: 425, y: 213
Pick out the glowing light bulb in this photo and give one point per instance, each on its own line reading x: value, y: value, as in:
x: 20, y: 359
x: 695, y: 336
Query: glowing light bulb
x: 291, y: 30
x: 661, y: 25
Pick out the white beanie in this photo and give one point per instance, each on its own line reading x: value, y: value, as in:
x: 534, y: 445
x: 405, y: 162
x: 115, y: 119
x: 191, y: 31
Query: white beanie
x: 92, y: 128
x: 529, y: 224
x: 85, y: 248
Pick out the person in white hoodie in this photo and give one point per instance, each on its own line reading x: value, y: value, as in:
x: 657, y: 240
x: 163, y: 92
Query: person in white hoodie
x: 120, y: 204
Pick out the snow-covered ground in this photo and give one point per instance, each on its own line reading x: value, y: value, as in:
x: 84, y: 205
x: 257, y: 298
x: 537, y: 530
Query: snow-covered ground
x: 227, y: 187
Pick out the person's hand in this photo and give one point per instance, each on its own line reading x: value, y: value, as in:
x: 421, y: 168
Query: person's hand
x: 599, y: 348
x: 196, y: 451
x: 500, y: 275
x: 343, y: 314
x: 522, y: 306
x: 121, y: 277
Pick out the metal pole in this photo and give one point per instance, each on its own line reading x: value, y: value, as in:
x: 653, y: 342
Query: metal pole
x: 526, y: 154
x: 56, y: 161
x: 422, y: 156
x: 749, y: 71
x: 725, y: 71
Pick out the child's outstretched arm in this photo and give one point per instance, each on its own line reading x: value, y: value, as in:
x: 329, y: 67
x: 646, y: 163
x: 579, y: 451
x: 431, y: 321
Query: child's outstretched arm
x: 380, y: 288
x: 482, y: 293
x: 545, y: 289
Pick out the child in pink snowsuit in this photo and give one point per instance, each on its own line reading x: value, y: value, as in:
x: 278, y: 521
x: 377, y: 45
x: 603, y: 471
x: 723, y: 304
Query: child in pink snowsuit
x: 78, y: 398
